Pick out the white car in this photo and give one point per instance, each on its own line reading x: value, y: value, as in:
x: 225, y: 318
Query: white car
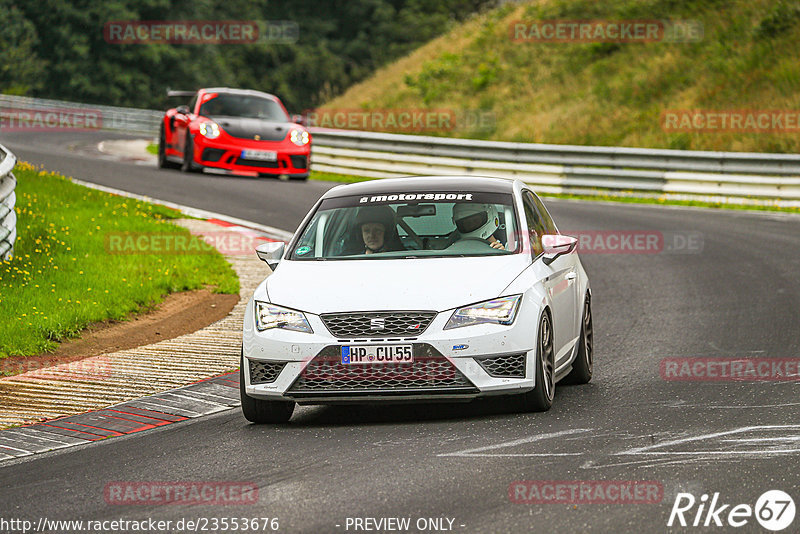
x: 417, y: 289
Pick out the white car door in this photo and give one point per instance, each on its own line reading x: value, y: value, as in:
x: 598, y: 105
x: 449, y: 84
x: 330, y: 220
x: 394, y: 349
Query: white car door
x: 560, y: 283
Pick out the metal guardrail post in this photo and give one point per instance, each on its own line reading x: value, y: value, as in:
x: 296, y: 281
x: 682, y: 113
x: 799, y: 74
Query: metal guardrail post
x: 8, y: 217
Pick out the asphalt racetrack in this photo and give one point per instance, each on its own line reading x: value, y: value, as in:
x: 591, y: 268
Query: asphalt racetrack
x: 731, y: 290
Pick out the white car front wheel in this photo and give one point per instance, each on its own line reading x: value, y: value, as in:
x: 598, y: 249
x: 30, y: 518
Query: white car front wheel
x: 540, y: 398
x: 583, y: 365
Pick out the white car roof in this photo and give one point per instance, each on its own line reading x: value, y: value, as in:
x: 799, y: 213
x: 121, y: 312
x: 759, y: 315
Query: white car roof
x: 424, y: 183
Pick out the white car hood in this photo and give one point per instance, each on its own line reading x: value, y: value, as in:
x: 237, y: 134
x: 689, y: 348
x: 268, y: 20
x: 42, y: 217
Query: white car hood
x: 403, y: 284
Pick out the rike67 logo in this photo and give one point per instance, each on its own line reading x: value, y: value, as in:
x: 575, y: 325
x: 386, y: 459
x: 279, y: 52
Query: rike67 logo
x: 774, y: 510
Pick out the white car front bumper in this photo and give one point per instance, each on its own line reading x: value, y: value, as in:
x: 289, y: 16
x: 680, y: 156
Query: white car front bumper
x: 455, y: 364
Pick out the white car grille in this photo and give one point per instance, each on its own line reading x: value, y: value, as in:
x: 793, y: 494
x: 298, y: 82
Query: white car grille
x: 400, y: 324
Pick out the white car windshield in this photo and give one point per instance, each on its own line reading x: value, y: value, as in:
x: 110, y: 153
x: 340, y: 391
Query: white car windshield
x: 410, y: 225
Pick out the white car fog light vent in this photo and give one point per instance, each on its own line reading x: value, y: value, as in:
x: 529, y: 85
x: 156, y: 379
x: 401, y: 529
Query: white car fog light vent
x: 265, y: 372
x: 378, y: 324
x: 507, y: 366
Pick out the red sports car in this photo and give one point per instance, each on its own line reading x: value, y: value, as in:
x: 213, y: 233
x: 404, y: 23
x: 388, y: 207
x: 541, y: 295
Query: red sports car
x: 234, y: 131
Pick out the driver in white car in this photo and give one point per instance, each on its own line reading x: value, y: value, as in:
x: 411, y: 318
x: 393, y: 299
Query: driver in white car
x: 477, y: 221
x: 377, y: 230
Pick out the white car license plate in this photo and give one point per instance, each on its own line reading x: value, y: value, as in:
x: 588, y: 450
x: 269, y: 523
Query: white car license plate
x: 260, y: 155
x: 377, y: 354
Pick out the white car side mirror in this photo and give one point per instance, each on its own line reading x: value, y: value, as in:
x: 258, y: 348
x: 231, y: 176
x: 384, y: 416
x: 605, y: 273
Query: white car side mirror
x: 555, y: 245
x: 271, y: 253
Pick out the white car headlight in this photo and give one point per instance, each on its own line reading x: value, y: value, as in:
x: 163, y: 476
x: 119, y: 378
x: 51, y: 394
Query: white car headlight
x: 210, y: 130
x: 270, y: 316
x: 502, y: 310
x: 299, y: 137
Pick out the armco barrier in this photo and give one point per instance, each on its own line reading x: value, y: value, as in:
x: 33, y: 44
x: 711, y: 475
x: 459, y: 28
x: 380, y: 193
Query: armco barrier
x: 720, y: 176
x: 23, y: 112
x: 8, y: 217
x: 564, y: 168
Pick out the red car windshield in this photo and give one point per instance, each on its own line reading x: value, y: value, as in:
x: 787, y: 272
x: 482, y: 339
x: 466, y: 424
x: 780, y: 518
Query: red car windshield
x: 247, y: 106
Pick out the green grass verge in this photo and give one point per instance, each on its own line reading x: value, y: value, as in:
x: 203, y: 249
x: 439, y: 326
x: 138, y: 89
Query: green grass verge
x: 63, y: 276
x: 153, y: 149
x: 330, y: 177
x: 673, y: 202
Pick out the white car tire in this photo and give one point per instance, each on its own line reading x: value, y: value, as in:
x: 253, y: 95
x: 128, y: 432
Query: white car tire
x: 540, y: 398
x: 583, y: 365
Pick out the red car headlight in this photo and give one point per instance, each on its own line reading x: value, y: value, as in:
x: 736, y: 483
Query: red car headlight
x: 209, y: 129
x: 299, y: 137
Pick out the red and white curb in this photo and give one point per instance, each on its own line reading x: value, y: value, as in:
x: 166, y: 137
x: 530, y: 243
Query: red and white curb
x: 134, y: 390
x: 202, y: 398
x: 107, y: 379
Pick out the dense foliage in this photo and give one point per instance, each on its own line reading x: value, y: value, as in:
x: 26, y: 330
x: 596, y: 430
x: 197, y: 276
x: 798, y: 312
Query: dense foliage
x: 56, y: 48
